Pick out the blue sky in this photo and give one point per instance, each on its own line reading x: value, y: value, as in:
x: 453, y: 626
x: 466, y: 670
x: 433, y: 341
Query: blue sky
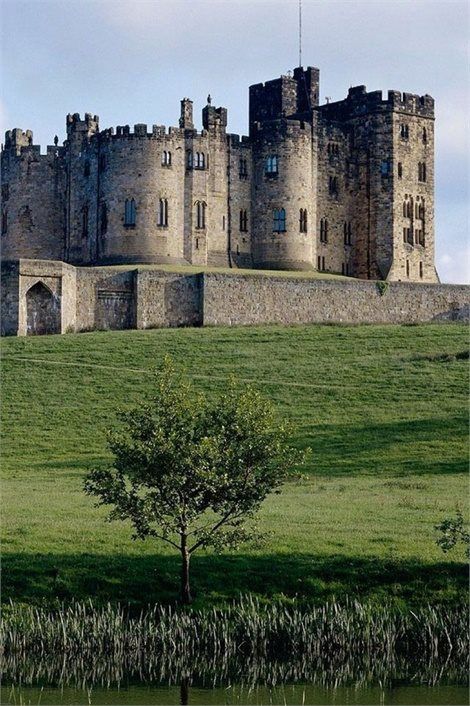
x: 131, y: 61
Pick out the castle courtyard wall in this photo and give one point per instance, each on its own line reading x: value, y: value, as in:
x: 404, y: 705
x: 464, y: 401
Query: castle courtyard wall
x: 85, y: 299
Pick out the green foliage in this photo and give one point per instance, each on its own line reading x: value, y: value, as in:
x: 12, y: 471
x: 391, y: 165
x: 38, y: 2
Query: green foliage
x: 382, y: 287
x: 452, y: 533
x: 190, y: 471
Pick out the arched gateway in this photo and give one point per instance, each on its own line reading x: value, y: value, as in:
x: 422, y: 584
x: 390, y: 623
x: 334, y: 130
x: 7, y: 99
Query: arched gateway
x: 42, y: 311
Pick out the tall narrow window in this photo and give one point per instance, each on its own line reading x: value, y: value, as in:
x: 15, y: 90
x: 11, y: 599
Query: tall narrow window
x: 404, y: 131
x: 200, y: 215
x: 189, y: 159
x: 407, y: 268
x: 86, y: 169
x: 349, y: 241
x: 323, y: 230
x: 421, y: 171
x: 400, y: 170
x: 243, y: 171
x: 162, y: 219
x: 166, y: 158
x: 303, y: 220
x: 279, y: 220
x: 199, y: 160
x: 103, y: 218
x: 85, y: 221
x: 129, y: 213
x: 272, y: 164
x: 425, y: 135
x: 421, y: 270
x: 4, y: 222
x: 333, y: 185
x: 243, y: 221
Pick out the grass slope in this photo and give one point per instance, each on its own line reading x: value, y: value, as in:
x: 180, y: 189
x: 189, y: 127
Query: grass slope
x: 196, y: 269
x: 384, y: 410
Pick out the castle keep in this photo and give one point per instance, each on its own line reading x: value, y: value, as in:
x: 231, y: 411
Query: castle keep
x: 345, y: 187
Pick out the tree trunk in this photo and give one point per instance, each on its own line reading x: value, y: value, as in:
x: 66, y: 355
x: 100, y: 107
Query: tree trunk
x: 185, y: 588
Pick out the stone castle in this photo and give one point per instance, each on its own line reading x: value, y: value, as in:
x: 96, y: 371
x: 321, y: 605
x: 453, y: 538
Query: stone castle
x: 346, y: 187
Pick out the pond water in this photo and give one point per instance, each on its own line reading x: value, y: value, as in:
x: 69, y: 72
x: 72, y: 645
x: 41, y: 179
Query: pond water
x: 302, y: 694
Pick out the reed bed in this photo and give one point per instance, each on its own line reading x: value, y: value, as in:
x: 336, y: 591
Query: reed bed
x: 247, y: 641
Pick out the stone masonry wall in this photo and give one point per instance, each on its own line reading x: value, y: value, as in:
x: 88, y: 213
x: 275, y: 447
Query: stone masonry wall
x: 233, y: 300
x: 43, y: 296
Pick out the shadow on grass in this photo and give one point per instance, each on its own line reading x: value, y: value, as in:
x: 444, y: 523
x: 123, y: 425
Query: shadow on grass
x: 349, y: 443
x: 141, y: 580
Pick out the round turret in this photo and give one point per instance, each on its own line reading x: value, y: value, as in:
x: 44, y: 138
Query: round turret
x: 283, y: 196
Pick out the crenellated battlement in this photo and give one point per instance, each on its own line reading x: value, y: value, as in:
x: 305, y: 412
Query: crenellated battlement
x: 19, y: 143
x: 310, y: 187
x: 359, y: 102
x: 16, y: 139
x: 141, y: 131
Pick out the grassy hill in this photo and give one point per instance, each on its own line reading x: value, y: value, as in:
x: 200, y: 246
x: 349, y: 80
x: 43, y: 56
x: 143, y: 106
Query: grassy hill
x: 384, y: 410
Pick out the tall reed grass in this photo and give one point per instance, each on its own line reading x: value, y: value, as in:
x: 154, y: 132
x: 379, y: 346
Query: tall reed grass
x: 246, y: 642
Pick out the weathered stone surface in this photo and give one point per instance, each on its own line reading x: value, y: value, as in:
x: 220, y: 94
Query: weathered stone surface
x: 40, y: 296
x: 352, y: 164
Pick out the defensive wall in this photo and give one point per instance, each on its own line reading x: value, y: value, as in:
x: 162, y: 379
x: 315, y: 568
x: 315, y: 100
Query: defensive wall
x: 44, y: 296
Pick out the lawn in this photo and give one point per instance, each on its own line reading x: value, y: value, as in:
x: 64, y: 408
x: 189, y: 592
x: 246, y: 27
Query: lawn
x: 383, y: 408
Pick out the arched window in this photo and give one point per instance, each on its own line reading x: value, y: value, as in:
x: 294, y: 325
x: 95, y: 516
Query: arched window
x: 189, y: 159
x: 272, y: 164
x: 199, y: 160
x: 86, y: 169
x: 333, y: 185
x: 166, y: 159
x: 421, y: 171
x: 129, y: 213
x: 279, y: 220
x: 85, y: 221
x: 404, y: 131
x: 104, y: 218
x: 162, y: 219
x: 243, y: 221
x: 323, y: 230
x: 4, y: 222
x: 303, y: 220
x: 408, y: 207
x: 200, y: 215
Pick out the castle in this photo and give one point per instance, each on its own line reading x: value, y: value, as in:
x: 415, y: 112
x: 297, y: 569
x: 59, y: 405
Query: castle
x: 346, y: 187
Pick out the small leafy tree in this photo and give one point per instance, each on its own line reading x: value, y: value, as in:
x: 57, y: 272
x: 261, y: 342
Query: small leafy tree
x: 452, y: 532
x: 191, y: 471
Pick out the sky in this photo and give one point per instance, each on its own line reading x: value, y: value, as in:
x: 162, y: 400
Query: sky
x: 131, y: 61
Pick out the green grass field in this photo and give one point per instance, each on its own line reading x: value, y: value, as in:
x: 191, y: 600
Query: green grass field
x: 384, y: 409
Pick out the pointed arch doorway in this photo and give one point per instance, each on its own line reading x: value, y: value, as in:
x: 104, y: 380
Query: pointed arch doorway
x: 42, y: 311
